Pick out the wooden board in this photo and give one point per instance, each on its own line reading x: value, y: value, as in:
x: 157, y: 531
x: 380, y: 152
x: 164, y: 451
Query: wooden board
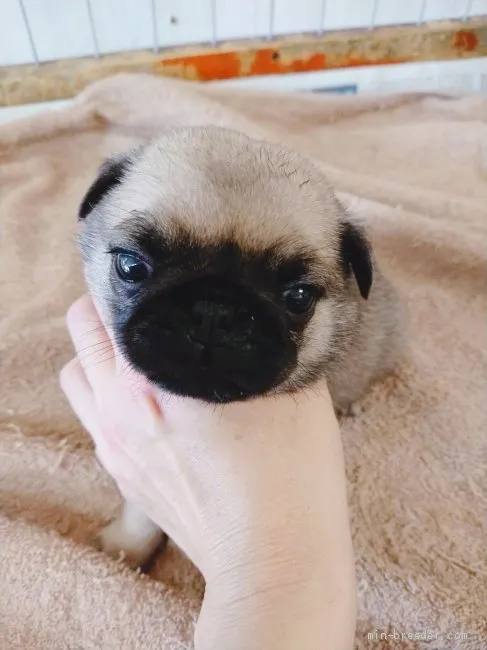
x: 436, y: 41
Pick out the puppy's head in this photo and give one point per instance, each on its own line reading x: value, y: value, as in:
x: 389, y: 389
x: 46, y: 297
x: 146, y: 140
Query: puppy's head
x: 223, y: 266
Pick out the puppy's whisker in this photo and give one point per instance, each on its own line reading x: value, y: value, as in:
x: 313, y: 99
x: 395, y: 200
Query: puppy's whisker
x: 125, y: 367
x: 101, y: 328
x: 221, y: 415
x: 95, y: 346
x: 95, y: 354
x: 115, y: 340
x: 104, y: 360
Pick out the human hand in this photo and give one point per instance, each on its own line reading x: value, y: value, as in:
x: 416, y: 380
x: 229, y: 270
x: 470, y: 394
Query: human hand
x: 254, y: 493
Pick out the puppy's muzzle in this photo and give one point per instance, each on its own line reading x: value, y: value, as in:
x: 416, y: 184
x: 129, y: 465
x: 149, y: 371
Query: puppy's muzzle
x: 211, y: 340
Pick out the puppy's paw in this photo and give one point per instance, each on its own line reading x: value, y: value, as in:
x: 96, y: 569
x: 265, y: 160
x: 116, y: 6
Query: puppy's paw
x: 136, y: 548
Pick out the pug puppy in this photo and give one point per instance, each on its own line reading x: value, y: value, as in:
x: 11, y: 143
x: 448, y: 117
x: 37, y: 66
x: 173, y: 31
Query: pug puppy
x: 226, y: 269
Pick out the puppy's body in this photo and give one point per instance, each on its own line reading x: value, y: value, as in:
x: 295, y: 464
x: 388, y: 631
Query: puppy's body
x: 226, y: 269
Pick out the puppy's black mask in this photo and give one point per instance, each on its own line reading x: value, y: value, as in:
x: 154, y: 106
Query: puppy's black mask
x: 211, y: 338
x: 208, y: 322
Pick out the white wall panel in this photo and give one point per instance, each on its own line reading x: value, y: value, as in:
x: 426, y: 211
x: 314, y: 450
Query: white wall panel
x: 184, y: 21
x: 248, y: 19
x: 347, y: 14
x: 478, y: 8
x: 440, y: 9
x: 291, y: 16
x: 123, y: 24
x: 61, y: 29
x: 14, y: 41
x: 391, y: 11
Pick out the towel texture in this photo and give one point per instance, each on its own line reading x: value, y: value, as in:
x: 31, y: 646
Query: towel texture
x: 414, y: 169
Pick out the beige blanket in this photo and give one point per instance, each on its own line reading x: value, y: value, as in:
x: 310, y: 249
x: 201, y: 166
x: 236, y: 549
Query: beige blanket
x: 414, y: 168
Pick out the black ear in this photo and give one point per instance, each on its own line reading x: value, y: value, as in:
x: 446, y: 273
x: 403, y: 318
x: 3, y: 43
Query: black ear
x: 110, y: 174
x: 356, y: 257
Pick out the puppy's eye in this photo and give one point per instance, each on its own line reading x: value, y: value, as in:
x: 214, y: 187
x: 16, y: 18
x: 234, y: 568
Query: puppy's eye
x: 131, y: 268
x: 300, y: 299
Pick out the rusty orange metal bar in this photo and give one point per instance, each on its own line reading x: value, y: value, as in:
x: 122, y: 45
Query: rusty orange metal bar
x: 436, y: 41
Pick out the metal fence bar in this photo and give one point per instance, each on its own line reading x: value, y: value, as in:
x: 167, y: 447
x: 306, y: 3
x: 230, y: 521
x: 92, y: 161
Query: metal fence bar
x: 96, y: 48
x: 468, y: 9
x: 155, y: 34
x: 422, y: 12
x: 322, y: 17
x: 28, y: 29
x: 373, y: 18
x: 272, y: 10
x: 214, y: 27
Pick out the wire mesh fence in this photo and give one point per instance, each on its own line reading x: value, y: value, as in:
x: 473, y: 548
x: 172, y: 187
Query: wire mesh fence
x: 33, y: 31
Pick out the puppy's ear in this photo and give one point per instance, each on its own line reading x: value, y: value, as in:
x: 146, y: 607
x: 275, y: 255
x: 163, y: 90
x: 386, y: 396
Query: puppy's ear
x: 110, y: 175
x: 356, y: 256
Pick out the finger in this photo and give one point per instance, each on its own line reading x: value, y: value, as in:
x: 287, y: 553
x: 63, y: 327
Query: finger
x: 91, y: 342
x: 79, y: 394
x: 81, y: 398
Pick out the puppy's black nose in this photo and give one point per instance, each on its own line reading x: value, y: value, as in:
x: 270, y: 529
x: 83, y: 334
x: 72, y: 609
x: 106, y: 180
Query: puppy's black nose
x: 212, y: 321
